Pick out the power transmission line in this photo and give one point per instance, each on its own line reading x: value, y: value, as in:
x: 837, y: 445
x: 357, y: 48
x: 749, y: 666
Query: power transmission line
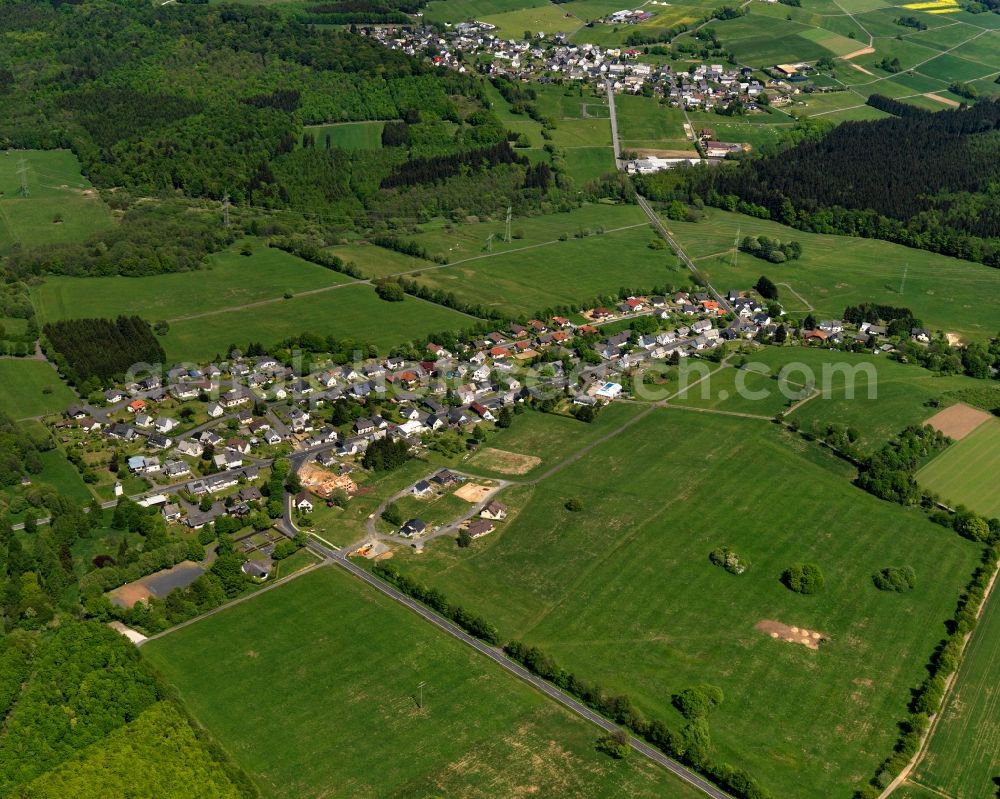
x: 225, y: 211
x: 902, y: 282
x: 507, y: 232
x: 22, y: 170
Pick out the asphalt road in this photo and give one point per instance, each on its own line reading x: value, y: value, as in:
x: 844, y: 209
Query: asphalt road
x: 662, y: 230
x: 498, y: 657
x: 609, y: 89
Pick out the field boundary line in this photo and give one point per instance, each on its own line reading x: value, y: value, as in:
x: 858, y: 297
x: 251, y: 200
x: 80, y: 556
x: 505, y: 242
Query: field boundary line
x: 948, y: 688
x: 239, y: 600
x: 929, y: 788
x: 738, y: 414
x: 269, y: 301
x: 434, y: 267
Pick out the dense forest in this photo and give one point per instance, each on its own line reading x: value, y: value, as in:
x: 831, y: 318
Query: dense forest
x: 102, y: 349
x: 927, y: 180
x: 112, y: 709
x: 173, y: 108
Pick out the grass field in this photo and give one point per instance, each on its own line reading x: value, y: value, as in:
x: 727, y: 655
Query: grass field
x: 313, y: 689
x: 376, y: 262
x: 462, y: 10
x: 227, y: 280
x: 458, y: 241
x: 31, y: 388
x: 966, y: 472
x: 748, y: 391
x: 901, y: 391
x: 56, y: 191
x: 354, y: 312
x: 60, y: 473
x: 548, y: 437
x: 963, y: 755
x: 348, y: 135
x: 548, y: 18
x: 563, y: 272
x: 836, y: 271
x: 623, y: 593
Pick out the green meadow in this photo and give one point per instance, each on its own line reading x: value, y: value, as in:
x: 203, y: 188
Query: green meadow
x: 31, y: 388
x: 547, y: 439
x: 966, y: 472
x: 348, y: 135
x: 871, y: 394
x: 561, y: 272
x: 458, y: 241
x: 314, y: 687
x: 836, y: 271
x: 623, y: 594
x: 962, y: 758
x: 61, y: 205
x: 353, y: 311
x: 227, y: 280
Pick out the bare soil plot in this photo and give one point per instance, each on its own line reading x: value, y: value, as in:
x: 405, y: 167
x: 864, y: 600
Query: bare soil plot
x: 856, y: 53
x: 790, y: 634
x: 860, y: 68
x: 127, y: 595
x: 946, y: 100
x: 500, y: 460
x: 473, y: 492
x: 958, y: 421
x: 323, y: 482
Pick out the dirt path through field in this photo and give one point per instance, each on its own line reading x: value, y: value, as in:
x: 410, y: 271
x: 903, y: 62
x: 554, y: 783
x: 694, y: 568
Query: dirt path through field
x: 946, y: 100
x: 860, y: 68
x: 856, y: 53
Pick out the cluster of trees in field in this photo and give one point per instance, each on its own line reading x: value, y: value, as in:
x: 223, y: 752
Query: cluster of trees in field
x: 888, y: 473
x: 803, y: 578
x: 19, y: 452
x: 432, y: 170
x: 863, y: 179
x: 895, y: 578
x: 773, y: 250
x: 386, y: 454
x: 150, y: 239
x: 728, y: 559
x: 874, y: 312
x: 102, y: 349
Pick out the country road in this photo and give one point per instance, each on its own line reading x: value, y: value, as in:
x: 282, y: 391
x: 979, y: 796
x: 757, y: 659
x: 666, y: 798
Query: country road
x: 497, y: 656
x: 615, y: 143
x: 648, y: 209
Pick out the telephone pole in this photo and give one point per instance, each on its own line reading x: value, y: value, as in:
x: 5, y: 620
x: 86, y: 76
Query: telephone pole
x: 22, y: 171
x: 507, y: 232
x: 225, y: 211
